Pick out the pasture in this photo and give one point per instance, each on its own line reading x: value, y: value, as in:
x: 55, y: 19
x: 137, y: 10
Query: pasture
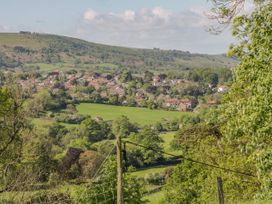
x: 142, y: 116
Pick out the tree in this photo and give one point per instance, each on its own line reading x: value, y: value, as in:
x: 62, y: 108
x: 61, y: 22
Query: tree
x: 12, y: 122
x: 122, y: 127
x: 184, y: 185
x: 131, y: 101
x: 96, y: 130
x: 194, y: 182
x: 148, y: 76
x: 103, y: 189
x: 150, y: 138
x: 241, y: 139
x: 224, y: 11
x: 13, y: 129
x: 56, y: 132
x: 126, y: 76
x: 89, y: 162
x: 113, y: 99
x: 40, y: 102
x: 38, y: 154
x: 212, y: 78
x: 250, y: 97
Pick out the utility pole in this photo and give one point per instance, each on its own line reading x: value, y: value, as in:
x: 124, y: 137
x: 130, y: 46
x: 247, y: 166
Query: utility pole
x: 220, y: 190
x: 119, y: 170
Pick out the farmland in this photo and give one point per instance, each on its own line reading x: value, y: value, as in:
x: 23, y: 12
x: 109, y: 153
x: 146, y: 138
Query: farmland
x: 143, y: 116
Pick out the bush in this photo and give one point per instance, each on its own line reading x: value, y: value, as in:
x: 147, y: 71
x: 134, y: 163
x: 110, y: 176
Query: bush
x: 155, y: 179
x: 43, y: 196
x: 49, y: 197
x: 71, y: 119
x: 53, y: 179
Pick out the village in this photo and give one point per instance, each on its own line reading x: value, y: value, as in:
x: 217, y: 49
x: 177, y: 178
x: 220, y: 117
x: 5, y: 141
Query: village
x: 155, y: 91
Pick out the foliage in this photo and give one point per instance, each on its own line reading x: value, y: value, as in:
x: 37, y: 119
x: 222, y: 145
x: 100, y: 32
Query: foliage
x: 13, y: 126
x: 122, y: 127
x: 56, y: 132
x: 250, y: 97
x: 96, y: 130
x: 184, y: 185
x: 70, y: 119
x: 89, y: 161
x: 155, y: 179
x: 205, y: 143
x: 104, y: 146
x: 44, y: 101
x: 149, y: 138
x: 38, y: 156
x: 41, y: 196
x: 126, y: 76
x: 104, y: 189
x: 240, y: 140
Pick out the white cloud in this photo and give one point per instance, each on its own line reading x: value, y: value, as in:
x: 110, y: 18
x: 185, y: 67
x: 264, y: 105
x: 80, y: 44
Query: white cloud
x: 161, y: 13
x: 89, y: 15
x: 150, y: 28
x: 129, y: 15
x: 4, y: 28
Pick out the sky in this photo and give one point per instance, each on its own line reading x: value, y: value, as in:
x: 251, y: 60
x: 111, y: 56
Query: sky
x: 164, y: 24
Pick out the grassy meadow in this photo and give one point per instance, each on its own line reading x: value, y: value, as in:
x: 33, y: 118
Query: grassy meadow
x: 142, y: 116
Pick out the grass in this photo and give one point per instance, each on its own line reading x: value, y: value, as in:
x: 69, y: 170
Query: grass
x: 14, y: 39
x: 155, y: 198
x: 41, y: 122
x: 142, y: 116
x: 143, y: 172
x: 44, y: 122
x: 107, y: 65
x: 51, y: 67
x: 46, y: 67
x: 168, y: 138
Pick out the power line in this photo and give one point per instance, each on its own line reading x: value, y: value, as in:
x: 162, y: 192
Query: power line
x: 102, y: 164
x: 98, y: 170
x: 192, y: 160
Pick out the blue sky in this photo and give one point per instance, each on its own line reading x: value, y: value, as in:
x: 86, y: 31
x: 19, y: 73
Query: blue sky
x: 166, y: 24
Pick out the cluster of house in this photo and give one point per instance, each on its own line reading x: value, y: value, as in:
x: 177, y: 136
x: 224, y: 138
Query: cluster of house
x: 107, y: 85
x: 180, y: 104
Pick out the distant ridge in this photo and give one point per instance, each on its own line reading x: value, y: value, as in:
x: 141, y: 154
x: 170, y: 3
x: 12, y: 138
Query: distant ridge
x: 26, y: 48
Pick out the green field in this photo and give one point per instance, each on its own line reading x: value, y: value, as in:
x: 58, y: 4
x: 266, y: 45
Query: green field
x: 167, y: 138
x: 143, y: 116
x: 143, y: 172
x: 155, y: 198
x: 44, y: 122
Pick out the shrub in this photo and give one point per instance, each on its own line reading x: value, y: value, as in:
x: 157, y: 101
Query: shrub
x: 52, y: 197
x: 155, y: 178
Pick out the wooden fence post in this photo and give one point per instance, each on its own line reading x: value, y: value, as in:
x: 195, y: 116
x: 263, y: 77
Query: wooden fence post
x: 220, y: 190
x: 119, y: 171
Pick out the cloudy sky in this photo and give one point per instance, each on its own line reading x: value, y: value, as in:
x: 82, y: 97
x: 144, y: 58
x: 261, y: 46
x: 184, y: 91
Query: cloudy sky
x: 165, y: 24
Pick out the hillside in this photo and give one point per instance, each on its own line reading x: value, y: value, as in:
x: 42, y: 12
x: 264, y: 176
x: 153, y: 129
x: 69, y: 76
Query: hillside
x: 48, y: 51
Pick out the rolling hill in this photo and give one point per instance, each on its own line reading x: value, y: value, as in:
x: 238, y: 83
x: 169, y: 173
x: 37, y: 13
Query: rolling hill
x: 46, y: 52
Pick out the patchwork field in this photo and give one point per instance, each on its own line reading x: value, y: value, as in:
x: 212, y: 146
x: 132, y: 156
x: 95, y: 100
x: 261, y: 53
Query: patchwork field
x: 143, y: 116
